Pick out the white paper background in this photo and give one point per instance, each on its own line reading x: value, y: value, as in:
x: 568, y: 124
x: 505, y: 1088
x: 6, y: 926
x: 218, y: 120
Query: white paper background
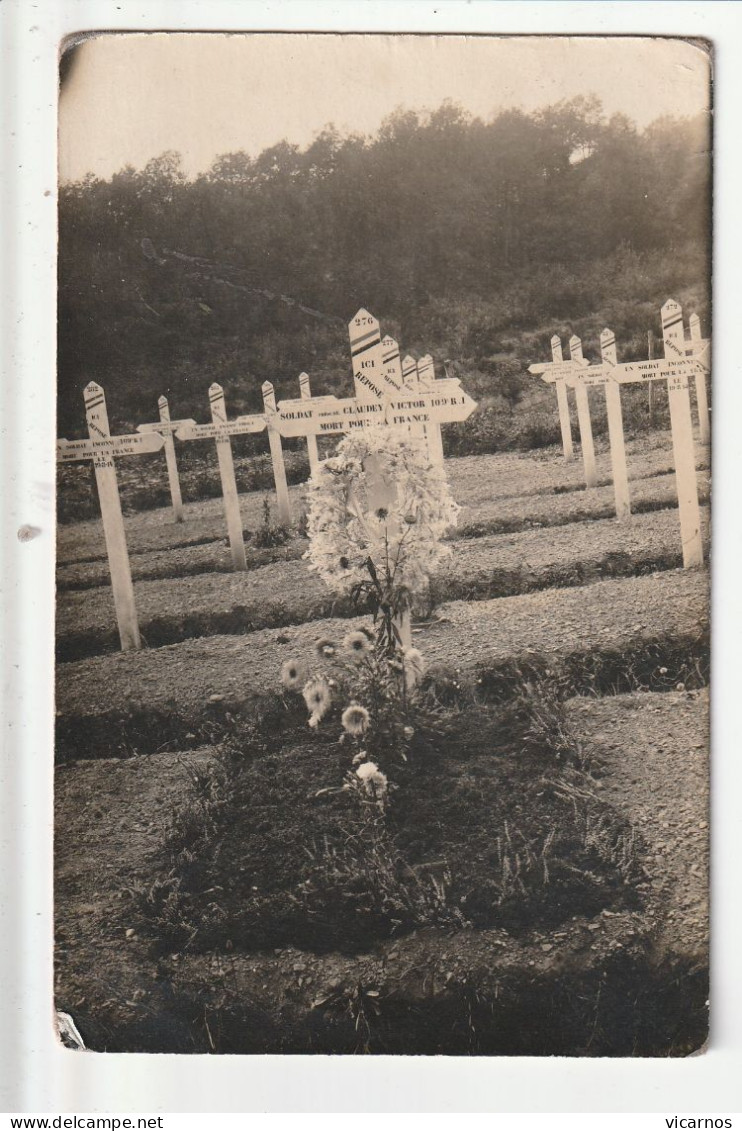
x: 36, y: 1075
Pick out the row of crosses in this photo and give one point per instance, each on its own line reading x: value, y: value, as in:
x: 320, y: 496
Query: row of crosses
x: 402, y: 394
x: 684, y: 359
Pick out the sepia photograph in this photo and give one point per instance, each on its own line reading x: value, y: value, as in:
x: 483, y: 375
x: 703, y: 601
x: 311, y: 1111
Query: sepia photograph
x: 383, y: 476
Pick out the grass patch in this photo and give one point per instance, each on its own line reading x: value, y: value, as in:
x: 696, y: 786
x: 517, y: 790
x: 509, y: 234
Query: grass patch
x: 490, y: 825
x: 664, y: 664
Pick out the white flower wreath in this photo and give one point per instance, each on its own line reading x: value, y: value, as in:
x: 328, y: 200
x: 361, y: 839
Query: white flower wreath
x: 379, y: 497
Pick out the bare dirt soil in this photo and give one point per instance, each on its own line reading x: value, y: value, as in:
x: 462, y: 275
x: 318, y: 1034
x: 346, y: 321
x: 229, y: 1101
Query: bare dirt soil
x: 290, y: 592
x: 167, y: 692
x: 200, y: 546
x: 653, y: 752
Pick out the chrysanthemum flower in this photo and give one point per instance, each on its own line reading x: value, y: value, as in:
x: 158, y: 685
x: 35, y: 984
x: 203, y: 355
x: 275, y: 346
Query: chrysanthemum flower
x: 325, y: 648
x: 374, y: 781
x: 357, y: 643
x: 355, y: 719
x: 317, y: 698
x: 291, y: 675
x: 367, y: 770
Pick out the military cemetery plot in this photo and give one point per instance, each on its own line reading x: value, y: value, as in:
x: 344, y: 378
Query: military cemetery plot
x: 392, y: 642
x: 382, y: 699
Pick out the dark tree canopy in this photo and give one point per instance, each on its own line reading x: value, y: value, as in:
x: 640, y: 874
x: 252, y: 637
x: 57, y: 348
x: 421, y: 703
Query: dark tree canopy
x: 436, y: 208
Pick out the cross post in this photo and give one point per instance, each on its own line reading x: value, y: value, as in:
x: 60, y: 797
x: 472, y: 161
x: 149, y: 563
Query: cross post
x: 220, y: 429
x: 367, y: 356
x: 172, y: 463
x: 699, y: 349
x: 682, y: 436
x: 392, y: 366
x: 556, y: 371
x: 167, y: 427
x: 565, y: 424
x: 101, y: 448
x: 279, y: 468
x: 426, y: 375
x: 306, y: 395
x: 583, y: 417
x: 410, y: 383
x: 226, y: 472
x: 615, y: 428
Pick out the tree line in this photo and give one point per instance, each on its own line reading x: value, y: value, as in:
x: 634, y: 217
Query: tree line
x: 251, y: 269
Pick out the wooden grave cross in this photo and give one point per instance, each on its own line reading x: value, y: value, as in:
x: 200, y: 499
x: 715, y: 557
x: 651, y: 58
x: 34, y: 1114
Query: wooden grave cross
x: 377, y: 373
x: 322, y: 415
x: 676, y: 369
x: 426, y: 378
x: 373, y: 379
x: 556, y: 371
x: 274, y: 439
x: 409, y: 384
x: 167, y: 428
x: 583, y: 414
x: 102, y: 448
x: 681, y: 424
x: 591, y: 375
x: 392, y: 366
x: 615, y: 427
x: 220, y: 430
x: 699, y: 349
x: 312, y: 452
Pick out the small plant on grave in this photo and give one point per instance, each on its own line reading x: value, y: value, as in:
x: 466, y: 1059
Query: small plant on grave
x: 369, y: 685
x: 378, y: 512
x: 270, y: 533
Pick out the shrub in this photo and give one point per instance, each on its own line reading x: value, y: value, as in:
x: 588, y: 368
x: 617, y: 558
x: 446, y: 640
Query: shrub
x: 270, y: 533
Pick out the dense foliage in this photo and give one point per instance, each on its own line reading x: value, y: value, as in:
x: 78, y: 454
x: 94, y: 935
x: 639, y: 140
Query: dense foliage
x: 454, y: 231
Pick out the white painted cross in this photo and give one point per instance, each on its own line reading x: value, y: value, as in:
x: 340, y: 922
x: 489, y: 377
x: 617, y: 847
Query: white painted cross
x: 220, y: 430
x: 409, y: 371
x: 370, y: 375
x: 676, y: 369
x: 274, y: 439
x: 410, y: 384
x: 102, y: 447
x: 306, y: 395
x: 447, y: 401
x: 615, y: 428
x: 556, y: 371
x: 583, y: 416
x: 167, y: 427
x: 402, y: 376
x: 392, y: 371
x: 682, y: 434
x: 426, y: 377
x: 700, y: 350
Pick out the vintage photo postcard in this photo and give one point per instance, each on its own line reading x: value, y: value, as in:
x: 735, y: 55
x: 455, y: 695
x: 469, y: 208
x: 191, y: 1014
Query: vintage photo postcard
x: 384, y: 398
